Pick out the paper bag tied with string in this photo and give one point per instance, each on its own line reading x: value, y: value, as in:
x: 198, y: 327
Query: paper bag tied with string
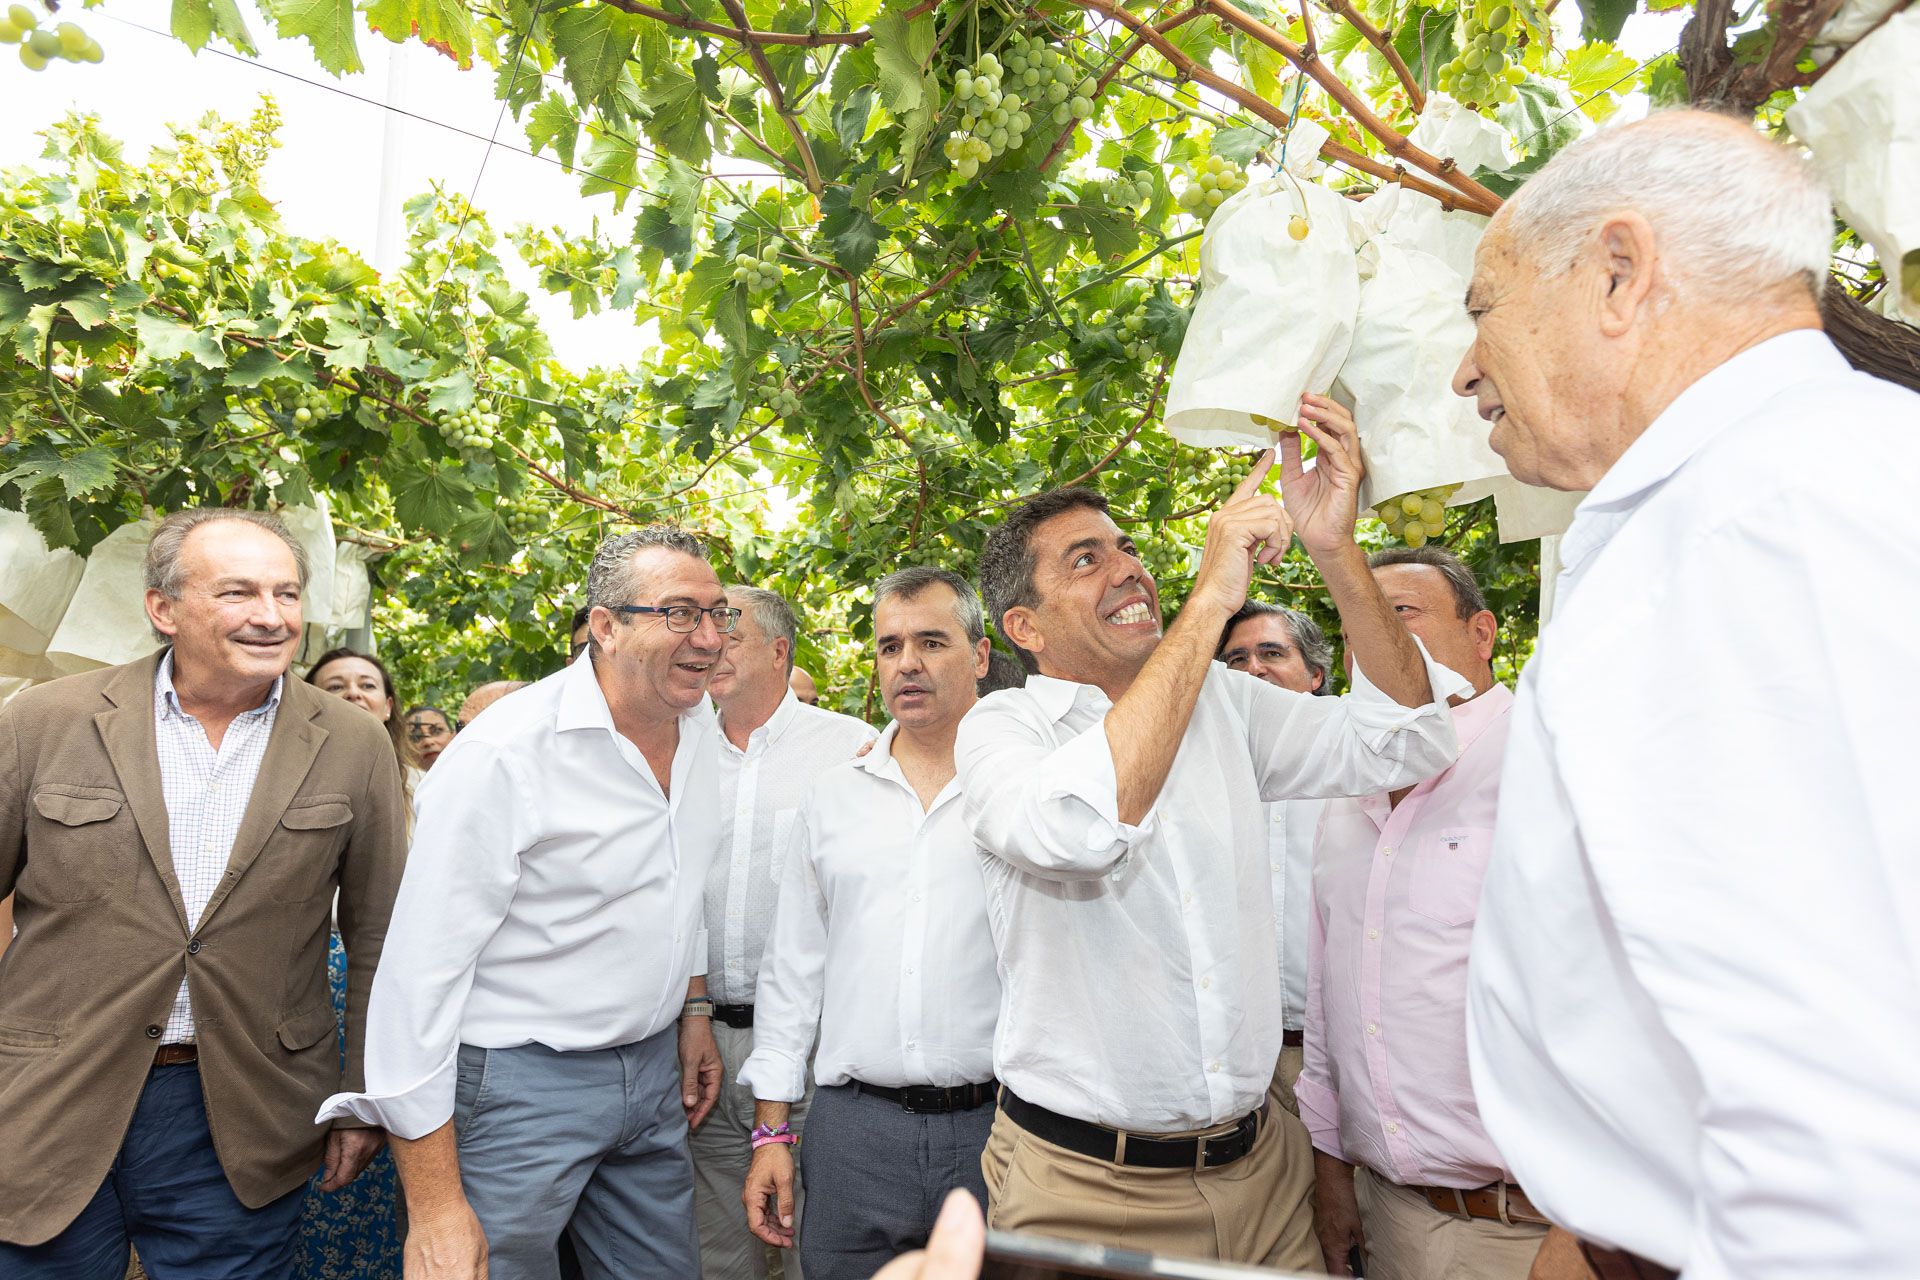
x: 1862, y: 122
x: 1275, y: 313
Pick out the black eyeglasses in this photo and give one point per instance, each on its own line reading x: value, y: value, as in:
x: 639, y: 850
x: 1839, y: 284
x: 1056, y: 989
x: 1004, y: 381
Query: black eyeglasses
x: 685, y: 618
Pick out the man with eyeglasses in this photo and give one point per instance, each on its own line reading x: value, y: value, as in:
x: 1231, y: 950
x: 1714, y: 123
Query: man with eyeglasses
x: 1287, y: 649
x: 540, y: 1038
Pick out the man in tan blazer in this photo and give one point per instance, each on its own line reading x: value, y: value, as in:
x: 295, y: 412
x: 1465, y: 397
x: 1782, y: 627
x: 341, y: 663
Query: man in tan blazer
x: 176, y: 831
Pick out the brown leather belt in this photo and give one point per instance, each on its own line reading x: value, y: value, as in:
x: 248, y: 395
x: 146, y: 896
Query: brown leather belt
x: 1293, y: 1039
x: 172, y: 1055
x: 1618, y: 1264
x: 1499, y: 1201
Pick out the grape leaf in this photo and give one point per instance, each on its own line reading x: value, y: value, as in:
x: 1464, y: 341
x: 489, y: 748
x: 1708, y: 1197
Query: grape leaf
x: 679, y: 115
x: 1603, y: 19
x: 1595, y: 72
x: 197, y: 21
x: 441, y: 24
x: 900, y: 50
x: 612, y: 165
x: 1424, y: 37
x: 163, y: 338
x: 850, y: 229
x: 327, y: 25
x: 78, y: 473
x: 431, y: 498
x: 593, y: 47
x: 553, y: 124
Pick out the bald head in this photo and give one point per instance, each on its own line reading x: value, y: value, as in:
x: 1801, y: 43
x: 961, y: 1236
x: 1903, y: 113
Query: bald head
x: 485, y: 696
x: 1632, y: 265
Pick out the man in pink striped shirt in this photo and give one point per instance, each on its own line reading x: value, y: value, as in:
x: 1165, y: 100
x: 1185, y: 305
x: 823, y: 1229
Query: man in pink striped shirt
x: 1403, y: 1169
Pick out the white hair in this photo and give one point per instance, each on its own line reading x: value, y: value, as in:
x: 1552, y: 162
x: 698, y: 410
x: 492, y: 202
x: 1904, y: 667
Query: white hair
x: 1733, y: 211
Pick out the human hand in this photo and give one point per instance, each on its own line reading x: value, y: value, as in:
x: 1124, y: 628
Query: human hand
x: 349, y: 1151
x: 1324, y: 499
x: 1250, y: 528
x: 701, y: 1071
x: 448, y: 1245
x: 1336, y: 1213
x: 768, y: 1194
x: 955, y: 1250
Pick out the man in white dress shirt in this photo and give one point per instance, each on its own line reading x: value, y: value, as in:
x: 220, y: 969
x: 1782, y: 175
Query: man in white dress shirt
x: 1285, y: 648
x: 1694, y: 994
x: 771, y: 747
x: 1119, y: 798
x: 881, y: 945
x: 538, y: 1038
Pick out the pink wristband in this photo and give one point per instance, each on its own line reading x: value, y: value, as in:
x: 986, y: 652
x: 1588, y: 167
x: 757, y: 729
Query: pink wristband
x: 764, y: 1135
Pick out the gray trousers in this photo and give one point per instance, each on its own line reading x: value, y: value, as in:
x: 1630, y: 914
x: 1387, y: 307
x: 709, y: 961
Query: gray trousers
x: 593, y: 1144
x: 722, y: 1148
x: 879, y: 1177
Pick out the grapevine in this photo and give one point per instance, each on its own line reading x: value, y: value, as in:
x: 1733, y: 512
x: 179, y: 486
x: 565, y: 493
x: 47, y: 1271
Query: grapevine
x: 1210, y: 180
x: 762, y: 274
x: 1487, y: 70
x: 998, y: 101
x: 524, y: 516
x: 471, y: 432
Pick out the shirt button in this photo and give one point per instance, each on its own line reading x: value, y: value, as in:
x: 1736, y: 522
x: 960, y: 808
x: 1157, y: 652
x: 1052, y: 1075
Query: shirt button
x: 1387, y: 852
x: 1213, y: 1067
x: 1392, y: 1127
x: 1205, y: 983
x: 1278, y: 867
x: 1372, y: 1030
x: 916, y: 897
x: 1373, y: 933
x: 913, y: 1044
x: 153, y: 1032
x: 909, y: 971
x: 1279, y: 817
x: 1186, y: 897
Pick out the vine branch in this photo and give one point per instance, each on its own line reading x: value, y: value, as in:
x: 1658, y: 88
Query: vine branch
x: 777, y: 96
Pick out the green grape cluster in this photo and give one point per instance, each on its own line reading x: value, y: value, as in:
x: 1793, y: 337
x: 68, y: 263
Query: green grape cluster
x: 524, y: 516
x: 784, y: 402
x: 39, y: 46
x: 1415, y: 517
x: 999, y: 101
x: 471, y: 432
x: 1042, y: 75
x: 1130, y: 190
x: 1210, y: 180
x: 1487, y: 71
x: 762, y: 274
x: 309, y: 404
x: 1132, y: 318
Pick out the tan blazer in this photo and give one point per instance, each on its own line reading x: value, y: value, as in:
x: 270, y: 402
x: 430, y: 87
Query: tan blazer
x: 87, y: 985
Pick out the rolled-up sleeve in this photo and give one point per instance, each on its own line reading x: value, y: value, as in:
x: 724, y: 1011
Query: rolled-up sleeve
x: 470, y: 827
x: 1315, y: 1090
x: 1049, y: 809
x: 1354, y: 745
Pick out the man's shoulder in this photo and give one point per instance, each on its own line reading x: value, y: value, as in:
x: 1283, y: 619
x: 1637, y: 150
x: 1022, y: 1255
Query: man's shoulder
x: 52, y: 705
x: 823, y: 722
x: 1859, y: 420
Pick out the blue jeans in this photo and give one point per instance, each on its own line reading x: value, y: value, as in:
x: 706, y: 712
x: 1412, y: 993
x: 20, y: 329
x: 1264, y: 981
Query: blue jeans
x: 167, y: 1196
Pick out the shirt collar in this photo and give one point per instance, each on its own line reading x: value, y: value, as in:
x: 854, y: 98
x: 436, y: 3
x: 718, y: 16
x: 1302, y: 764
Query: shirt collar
x: 583, y: 704
x: 1724, y: 396
x: 1057, y: 697
x: 880, y: 761
x: 167, y: 699
x: 783, y: 715
x: 1476, y: 713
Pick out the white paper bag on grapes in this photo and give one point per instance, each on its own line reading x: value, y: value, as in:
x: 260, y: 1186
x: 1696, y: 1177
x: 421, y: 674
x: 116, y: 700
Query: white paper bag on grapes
x: 1862, y: 123
x: 312, y: 528
x: 1409, y: 335
x: 36, y: 583
x: 1276, y: 312
x: 106, y: 622
x: 1522, y: 512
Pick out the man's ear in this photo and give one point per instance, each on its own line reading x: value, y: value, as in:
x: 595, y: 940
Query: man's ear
x: 783, y: 654
x: 1627, y: 245
x: 160, y: 613
x: 1017, y: 625
x: 1484, y: 627
x: 600, y: 626
x: 980, y: 653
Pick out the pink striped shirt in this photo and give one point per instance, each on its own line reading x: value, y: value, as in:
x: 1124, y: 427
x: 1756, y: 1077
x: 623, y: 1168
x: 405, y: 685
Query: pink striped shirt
x: 1395, y: 891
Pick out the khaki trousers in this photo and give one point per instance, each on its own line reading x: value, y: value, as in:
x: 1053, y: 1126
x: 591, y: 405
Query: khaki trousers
x: 1293, y: 1060
x: 1256, y: 1210
x: 722, y: 1148
x: 1409, y: 1239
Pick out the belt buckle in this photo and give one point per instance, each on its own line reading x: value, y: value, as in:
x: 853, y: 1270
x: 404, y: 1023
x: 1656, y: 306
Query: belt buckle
x: 913, y: 1100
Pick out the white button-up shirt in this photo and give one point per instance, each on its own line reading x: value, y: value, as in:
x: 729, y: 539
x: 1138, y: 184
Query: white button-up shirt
x: 552, y: 897
x: 761, y: 790
x: 881, y: 941
x: 1137, y: 963
x: 1291, y: 826
x: 1694, y: 993
x: 206, y: 793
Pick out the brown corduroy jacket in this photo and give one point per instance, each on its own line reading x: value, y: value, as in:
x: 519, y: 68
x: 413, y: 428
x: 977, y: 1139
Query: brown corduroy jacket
x: 103, y: 941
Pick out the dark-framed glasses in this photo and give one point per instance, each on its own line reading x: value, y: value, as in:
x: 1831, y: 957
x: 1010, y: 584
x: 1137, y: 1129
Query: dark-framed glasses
x: 685, y: 618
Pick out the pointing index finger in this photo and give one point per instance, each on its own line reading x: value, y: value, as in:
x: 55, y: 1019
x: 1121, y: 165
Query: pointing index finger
x: 1254, y: 478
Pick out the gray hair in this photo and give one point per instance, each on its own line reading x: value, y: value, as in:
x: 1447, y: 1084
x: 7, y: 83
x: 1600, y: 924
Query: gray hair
x: 163, y: 572
x: 771, y: 613
x: 1467, y: 597
x: 910, y: 582
x: 614, y: 580
x: 1733, y: 211
x: 1316, y: 651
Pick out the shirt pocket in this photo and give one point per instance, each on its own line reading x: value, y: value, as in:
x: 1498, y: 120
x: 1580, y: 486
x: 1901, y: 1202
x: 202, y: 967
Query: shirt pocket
x: 1448, y: 868
x: 80, y: 843
x: 783, y: 824
x: 304, y: 851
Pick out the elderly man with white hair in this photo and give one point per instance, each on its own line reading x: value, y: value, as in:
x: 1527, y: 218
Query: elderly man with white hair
x: 1695, y: 995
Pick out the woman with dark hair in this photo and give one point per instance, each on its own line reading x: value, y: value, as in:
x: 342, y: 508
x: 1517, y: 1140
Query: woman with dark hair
x: 356, y: 1231
x: 430, y: 730
x: 363, y: 680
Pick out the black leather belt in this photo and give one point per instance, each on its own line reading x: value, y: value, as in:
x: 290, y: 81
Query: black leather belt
x: 1139, y: 1150
x: 927, y: 1099
x: 739, y: 1016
